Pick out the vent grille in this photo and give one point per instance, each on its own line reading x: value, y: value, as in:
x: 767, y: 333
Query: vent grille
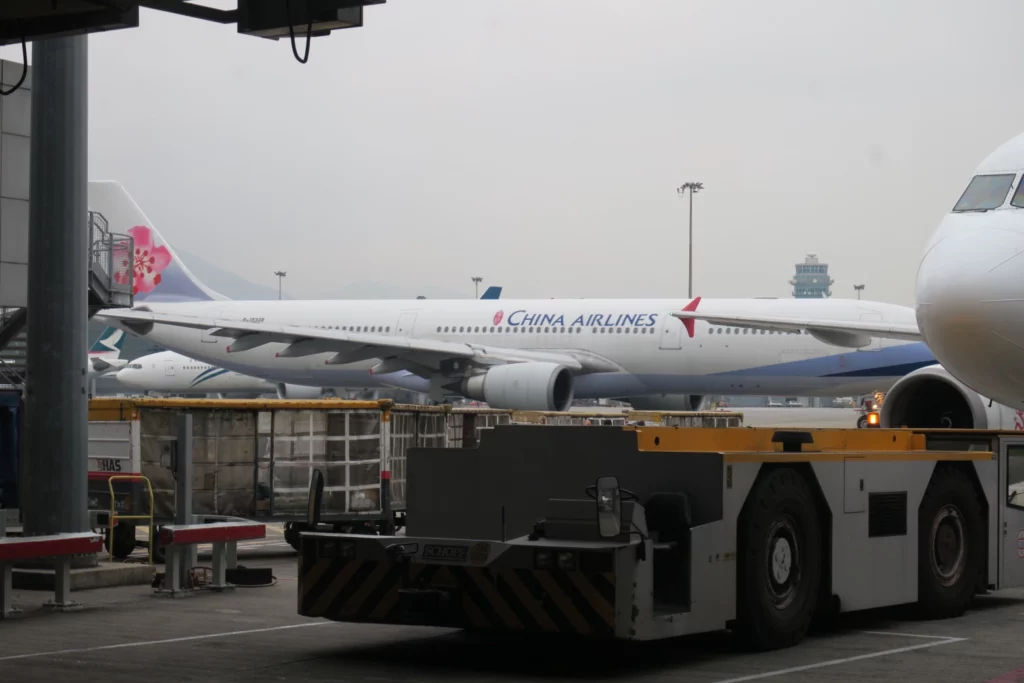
x: 887, y: 514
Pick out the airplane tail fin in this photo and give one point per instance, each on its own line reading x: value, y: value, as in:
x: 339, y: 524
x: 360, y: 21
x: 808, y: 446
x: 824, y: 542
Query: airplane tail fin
x: 493, y: 292
x: 159, y: 275
x: 109, y: 343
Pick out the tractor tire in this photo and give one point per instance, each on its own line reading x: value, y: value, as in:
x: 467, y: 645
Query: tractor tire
x: 780, y: 563
x: 951, y: 544
x: 862, y: 422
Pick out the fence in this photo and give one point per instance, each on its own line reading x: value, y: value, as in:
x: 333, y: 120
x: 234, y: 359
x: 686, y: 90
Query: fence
x: 256, y: 458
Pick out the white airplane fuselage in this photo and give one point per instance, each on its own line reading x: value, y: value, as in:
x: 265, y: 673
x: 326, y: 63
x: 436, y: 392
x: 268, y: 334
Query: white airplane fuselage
x: 170, y: 372
x: 970, y: 283
x: 646, y: 349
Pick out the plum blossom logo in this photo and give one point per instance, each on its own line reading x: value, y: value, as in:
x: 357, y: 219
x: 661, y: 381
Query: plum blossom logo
x: 147, y: 262
x: 1018, y: 420
x: 498, y: 317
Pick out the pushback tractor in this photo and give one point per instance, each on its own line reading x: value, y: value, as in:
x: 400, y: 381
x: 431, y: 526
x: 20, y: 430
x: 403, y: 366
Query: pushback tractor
x: 645, y: 533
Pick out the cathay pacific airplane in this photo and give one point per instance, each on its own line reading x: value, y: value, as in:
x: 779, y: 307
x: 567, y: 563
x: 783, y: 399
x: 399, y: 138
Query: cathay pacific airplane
x: 970, y: 310
x: 104, y: 356
x: 519, y: 354
x: 170, y: 372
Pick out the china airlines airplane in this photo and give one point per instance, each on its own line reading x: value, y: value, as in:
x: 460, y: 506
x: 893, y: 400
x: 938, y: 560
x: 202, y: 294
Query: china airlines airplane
x: 970, y: 300
x: 519, y: 354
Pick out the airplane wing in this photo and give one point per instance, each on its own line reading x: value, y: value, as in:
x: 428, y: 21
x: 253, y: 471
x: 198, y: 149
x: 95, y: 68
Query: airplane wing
x: 419, y: 356
x: 837, y: 332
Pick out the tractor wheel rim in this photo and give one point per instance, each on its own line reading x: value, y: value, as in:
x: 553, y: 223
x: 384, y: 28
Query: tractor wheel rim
x: 783, y: 570
x: 949, y: 545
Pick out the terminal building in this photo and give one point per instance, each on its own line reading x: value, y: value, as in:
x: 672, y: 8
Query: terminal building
x: 811, y: 280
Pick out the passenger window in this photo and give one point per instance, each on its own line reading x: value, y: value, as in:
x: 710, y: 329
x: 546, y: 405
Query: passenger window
x: 985, y: 192
x: 1015, y: 476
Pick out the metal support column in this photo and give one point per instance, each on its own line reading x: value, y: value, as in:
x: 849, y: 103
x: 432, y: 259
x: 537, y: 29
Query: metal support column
x: 186, y: 555
x: 62, y: 601
x: 54, y: 467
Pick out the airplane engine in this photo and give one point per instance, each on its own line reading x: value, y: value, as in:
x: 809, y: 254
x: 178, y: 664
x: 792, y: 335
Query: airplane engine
x: 931, y: 397
x: 522, y: 386
x: 298, y: 392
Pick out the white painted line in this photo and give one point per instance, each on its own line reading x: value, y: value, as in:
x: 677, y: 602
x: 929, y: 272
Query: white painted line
x: 834, y: 662
x: 166, y: 641
x: 905, y: 635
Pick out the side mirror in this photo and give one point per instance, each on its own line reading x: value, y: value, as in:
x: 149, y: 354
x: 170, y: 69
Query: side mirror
x: 609, y: 507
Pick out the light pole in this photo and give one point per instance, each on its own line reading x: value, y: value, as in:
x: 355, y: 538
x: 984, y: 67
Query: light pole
x: 476, y: 285
x: 858, y: 289
x: 692, y: 187
x: 280, y: 275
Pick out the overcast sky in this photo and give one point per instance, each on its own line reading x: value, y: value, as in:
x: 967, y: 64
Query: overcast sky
x: 538, y: 143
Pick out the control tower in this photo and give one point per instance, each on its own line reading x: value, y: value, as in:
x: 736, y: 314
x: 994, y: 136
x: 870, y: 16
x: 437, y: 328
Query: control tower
x: 811, y: 280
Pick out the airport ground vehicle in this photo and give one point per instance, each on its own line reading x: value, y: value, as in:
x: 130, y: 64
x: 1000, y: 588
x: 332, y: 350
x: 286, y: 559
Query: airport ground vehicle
x: 756, y: 530
x: 871, y: 411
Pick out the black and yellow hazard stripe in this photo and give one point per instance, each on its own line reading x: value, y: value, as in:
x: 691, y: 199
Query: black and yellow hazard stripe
x: 549, y: 600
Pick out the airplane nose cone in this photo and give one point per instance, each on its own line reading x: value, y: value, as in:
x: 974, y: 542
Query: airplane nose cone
x: 970, y: 293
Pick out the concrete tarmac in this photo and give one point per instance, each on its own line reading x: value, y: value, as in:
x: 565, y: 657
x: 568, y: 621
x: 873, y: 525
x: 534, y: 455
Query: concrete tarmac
x: 124, y: 635
x: 843, y: 418
x: 782, y: 417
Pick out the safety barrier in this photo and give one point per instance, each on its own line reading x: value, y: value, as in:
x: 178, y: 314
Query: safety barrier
x: 177, y: 540
x: 59, y: 546
x: 115, y: 517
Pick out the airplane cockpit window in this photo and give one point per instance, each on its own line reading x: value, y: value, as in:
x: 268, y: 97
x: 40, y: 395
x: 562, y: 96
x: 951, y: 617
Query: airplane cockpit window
x: 985, y: 192
x: 1018, y: 196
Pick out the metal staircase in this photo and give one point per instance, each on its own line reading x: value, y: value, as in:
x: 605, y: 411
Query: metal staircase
x: 111, y: 266
x: 111, y: 279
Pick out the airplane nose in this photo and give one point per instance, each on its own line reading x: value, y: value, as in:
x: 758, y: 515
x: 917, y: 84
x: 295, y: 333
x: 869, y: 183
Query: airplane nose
x: 969, y: 298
